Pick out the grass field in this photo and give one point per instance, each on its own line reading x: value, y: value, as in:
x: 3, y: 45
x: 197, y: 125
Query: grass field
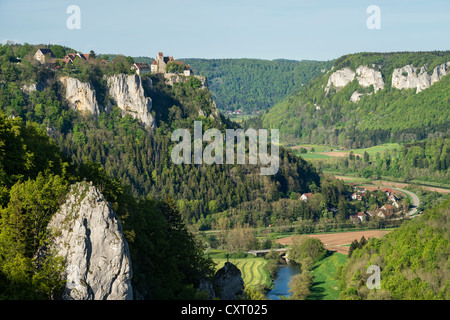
x: 325, y: 151
x: 325, y: 287
x: 252, y: 269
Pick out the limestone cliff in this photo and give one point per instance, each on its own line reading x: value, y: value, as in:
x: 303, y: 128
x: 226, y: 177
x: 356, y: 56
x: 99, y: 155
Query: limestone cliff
x: 127, y: 91
x: 340, y: 78
x: 87, y: 233
x: 409, y: 77
x: 228, y: 282
x: 364, y: 75
x: 367, y: 76
x: 80, y: 95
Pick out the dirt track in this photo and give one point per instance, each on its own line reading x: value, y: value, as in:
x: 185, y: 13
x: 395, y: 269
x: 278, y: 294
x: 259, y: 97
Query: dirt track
x: 337, y: 154
x: 336, y: 241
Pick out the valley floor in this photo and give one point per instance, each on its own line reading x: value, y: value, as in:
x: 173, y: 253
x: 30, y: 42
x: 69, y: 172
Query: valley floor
x: 339, y: 242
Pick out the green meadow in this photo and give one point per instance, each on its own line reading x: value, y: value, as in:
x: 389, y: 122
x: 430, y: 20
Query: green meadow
x: 325, y: 287
x: 319, y: 149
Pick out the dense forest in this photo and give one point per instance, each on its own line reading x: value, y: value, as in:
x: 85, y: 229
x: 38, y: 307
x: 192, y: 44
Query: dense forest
x: 413, y: 260
x: 310, y: 115
x: 253, y: 85
x: 34, y: 180
x: 138, y: 157
x: 427, y: 160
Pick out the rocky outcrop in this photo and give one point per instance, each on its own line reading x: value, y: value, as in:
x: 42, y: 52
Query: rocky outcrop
x: 340, y: 78
x: 367, y: 76
x: 87, y: 233
x: 80, y: 95
x: 29, y: 88
x: 228, y: 282
x: 409, y: 77
x: 364, y: 75
x: 356, y: 96
x: 127, y: 91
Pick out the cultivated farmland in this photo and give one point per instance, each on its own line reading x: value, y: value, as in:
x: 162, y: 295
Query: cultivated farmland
x: 252, y: 269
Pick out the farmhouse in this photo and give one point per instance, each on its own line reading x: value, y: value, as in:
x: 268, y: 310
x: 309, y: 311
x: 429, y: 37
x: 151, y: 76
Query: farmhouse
x: 44, y: 55
x: 306, y: 196
x: 70, y: 57
x: 141, y: 68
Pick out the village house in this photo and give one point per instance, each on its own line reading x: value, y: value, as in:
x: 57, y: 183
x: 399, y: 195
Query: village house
x: 44, y: 55
x: 306, y: 196
x: 387, y: 191
x: 70, y: 57
x: 141, y: 68
x: 362, y: 216
x: 358, y: 196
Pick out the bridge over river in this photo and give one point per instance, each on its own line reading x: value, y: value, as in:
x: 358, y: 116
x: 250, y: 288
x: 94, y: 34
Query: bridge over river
x: 258, y: 253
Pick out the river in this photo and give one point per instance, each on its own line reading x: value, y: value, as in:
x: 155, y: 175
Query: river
x: 281, y: 282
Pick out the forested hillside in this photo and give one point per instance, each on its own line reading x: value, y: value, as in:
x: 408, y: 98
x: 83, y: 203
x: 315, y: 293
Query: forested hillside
x: 34, y: 180
x: 427, y: 160
x: 253, y: 85
x: 140, y: 157
x: 414, y: 261
x: 339, y: 108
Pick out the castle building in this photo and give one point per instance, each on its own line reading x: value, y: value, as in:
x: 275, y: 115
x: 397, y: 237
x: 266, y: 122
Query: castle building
x: 42, y: 54
x: 160, y: 63
x: 141, y: 68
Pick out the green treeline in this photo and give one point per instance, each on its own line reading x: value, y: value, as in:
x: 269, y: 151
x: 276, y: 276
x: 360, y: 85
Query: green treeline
x: 427, y: 160
x: 413, y: 260
x: 252, y: 84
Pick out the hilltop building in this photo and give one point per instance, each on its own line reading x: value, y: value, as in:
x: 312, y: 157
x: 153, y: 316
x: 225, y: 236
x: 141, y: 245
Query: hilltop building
x: 70, y: 57
x: 42, y: 54
x: 141, y: 68
x: 159, y: 65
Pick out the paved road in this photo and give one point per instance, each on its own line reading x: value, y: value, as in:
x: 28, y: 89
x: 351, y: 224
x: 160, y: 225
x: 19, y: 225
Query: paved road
x: 415, y: 199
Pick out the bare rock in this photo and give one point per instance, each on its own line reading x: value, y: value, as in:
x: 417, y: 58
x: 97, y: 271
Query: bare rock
x: 367, y: 76
x: 87, y: 233
x: 340, y: 78
x: 228, y: 282
x: 409, y: 77
x: 80, y: 95
x: 128, y: 93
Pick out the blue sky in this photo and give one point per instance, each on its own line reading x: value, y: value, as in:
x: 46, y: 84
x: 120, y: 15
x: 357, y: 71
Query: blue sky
x: 313, y: 29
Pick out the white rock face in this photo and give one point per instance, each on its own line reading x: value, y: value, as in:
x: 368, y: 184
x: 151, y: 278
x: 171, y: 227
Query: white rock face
x: 128, y: 93
x: 356, y: 96
x: 228, y: 282
x: 340, y: 78
x: 80, y: 95
x: 28, y: 89
x: 87, y: 233
x: 367, y: 76
x: 409, y: 77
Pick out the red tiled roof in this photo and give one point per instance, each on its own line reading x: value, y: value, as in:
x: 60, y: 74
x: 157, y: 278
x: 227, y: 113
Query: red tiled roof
x: 142, y: 65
